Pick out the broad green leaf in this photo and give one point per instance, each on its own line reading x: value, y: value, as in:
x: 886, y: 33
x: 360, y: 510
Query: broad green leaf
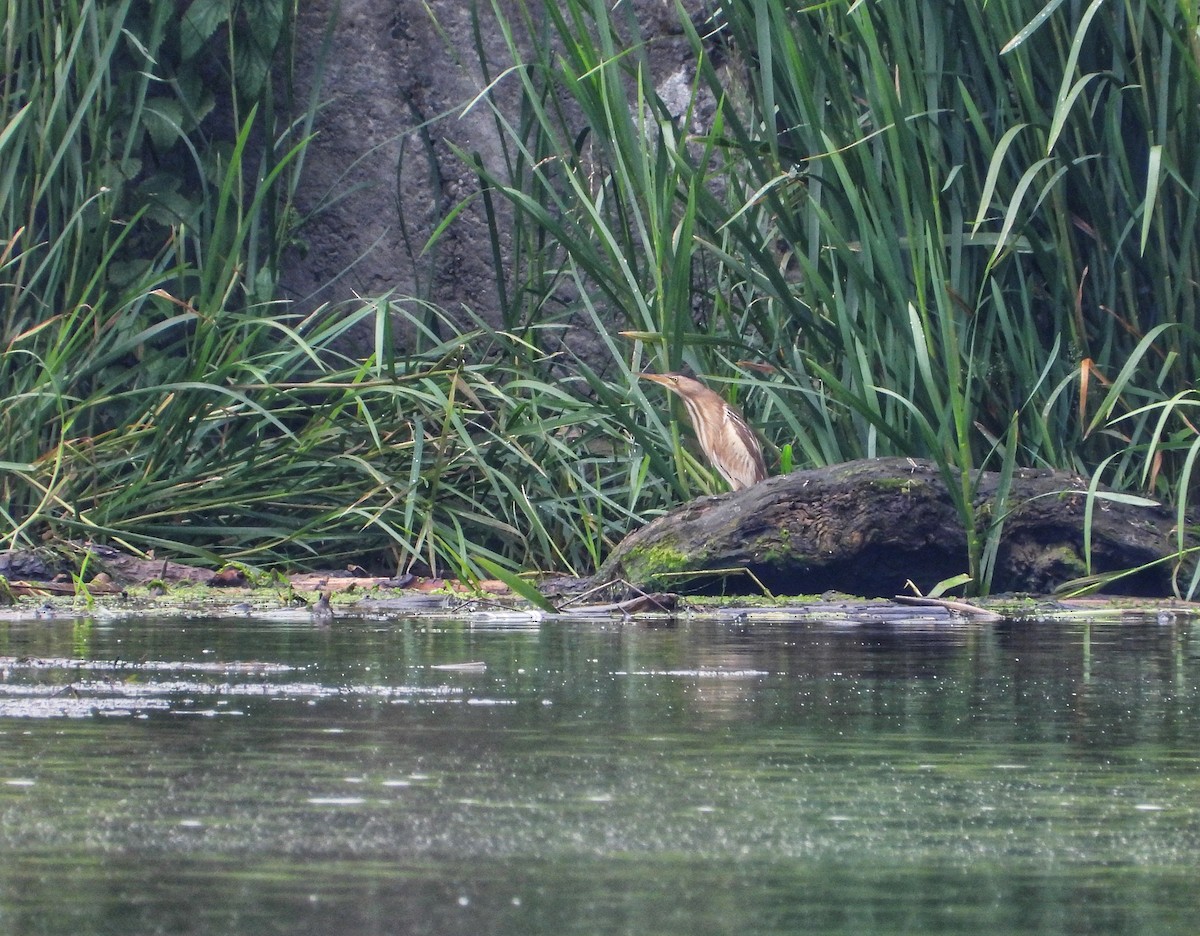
x: 199, y: 23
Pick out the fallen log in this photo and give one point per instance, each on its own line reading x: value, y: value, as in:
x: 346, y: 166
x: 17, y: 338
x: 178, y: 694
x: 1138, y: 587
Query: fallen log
x: 869, y: 527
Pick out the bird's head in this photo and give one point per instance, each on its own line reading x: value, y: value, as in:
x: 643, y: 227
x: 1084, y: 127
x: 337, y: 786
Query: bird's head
x: 685, y: 386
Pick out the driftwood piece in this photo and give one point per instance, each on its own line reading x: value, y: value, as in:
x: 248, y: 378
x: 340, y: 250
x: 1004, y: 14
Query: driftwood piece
x: 52, y: 571
x: 126, y: 568
x: 867, y: 527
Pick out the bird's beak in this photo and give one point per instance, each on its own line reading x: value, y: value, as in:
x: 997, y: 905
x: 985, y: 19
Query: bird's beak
x: 655, y: 378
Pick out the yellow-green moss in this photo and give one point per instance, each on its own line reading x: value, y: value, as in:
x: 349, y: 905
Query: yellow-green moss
x: 902, y: 484
x: 645, y: 564
x: 1068, y: 558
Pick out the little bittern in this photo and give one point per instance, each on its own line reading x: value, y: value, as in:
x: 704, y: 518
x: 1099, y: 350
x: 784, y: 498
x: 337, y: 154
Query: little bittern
x: 721, y: 430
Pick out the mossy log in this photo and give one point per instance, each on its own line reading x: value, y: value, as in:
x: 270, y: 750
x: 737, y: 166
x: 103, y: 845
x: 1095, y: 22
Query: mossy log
x: 868, y: 527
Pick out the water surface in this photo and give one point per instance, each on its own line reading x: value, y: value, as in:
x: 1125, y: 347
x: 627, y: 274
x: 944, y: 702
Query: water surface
x: 429, y: 776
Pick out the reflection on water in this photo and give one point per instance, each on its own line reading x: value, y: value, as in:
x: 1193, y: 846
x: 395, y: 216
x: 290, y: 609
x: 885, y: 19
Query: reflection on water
x: 710, y: 777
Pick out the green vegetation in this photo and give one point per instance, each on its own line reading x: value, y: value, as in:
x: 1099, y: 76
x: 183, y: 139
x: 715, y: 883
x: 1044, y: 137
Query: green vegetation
x: 964, y: 232
x: 143, y: 210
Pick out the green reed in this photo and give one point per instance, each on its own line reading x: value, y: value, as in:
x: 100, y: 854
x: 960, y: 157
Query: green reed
x: 960, y: 231
x: 945, y: 228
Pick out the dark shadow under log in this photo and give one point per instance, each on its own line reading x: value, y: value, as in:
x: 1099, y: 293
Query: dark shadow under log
x: 867, y: 527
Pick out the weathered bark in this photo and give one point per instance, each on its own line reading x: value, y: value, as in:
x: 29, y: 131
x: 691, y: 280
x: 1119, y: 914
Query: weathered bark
x: 867, y: 527
x: 382, y: 174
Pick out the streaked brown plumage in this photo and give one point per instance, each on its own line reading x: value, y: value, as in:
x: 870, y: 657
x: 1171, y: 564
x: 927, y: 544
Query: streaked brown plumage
x: 721, y: 430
